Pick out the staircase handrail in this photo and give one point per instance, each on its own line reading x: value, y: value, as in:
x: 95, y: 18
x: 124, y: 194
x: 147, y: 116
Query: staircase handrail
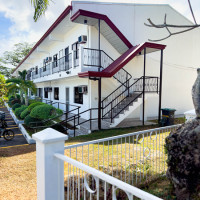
x: 125, y: 90
x: 128, y: 74
x: 126, y: 105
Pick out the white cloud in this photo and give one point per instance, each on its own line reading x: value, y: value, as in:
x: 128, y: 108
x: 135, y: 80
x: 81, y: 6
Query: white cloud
x: 23, y: 27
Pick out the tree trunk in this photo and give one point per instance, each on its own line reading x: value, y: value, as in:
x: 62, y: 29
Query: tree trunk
x: 26, y: 99
x: 21, y: 97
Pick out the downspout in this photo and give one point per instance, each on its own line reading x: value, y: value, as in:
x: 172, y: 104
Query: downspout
x: 99, y: 81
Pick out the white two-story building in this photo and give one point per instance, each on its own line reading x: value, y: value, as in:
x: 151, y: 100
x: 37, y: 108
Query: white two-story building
x: 96, y: 57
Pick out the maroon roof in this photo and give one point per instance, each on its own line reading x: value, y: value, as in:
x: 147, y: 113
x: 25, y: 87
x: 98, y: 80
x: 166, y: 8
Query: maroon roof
x: 60, y: 18
x: 106, y: 19
x: 120, y: 62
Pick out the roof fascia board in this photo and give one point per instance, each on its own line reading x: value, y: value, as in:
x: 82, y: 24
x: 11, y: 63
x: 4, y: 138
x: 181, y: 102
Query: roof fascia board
x: 53, y: 26
x: 122, y: 61
x: 106, y: 19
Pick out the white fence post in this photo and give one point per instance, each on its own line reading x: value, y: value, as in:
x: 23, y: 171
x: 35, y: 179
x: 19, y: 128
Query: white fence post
x: 50, y: 170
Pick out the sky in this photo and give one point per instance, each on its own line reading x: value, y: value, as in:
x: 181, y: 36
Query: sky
x: 17, y: 24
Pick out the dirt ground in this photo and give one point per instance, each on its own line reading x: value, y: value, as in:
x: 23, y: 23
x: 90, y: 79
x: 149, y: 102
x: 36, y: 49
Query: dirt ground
x: 18, y: 173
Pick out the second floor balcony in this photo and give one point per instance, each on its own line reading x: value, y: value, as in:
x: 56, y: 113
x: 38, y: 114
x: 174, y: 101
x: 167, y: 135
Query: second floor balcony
x: 83, y: 59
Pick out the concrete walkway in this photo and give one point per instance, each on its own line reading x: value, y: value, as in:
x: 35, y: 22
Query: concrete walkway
x: 130, y: 122
x: 18, y: 139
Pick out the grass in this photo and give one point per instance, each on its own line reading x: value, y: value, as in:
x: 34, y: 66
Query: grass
x: 18, y: 164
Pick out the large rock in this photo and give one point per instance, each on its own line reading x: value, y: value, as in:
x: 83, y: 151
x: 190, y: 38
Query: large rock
x: 183, y: 146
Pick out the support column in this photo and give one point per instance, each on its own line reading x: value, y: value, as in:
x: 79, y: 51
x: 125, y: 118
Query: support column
x: 141, y: 111
x: 50, y: 170
x: 143, y: 103
x: 99, y: 80
x: 160, y: 87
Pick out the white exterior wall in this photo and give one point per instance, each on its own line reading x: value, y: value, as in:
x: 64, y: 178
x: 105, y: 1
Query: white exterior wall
x: 180, y: 56
x: 68, y: 83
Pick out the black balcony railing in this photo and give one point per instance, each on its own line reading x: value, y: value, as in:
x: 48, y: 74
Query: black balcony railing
x: 62, y: 64
x: 46, y: 70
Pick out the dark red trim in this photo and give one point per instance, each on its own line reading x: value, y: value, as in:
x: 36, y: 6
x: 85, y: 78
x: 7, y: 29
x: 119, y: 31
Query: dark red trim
x: 120, y: 62
x: 60, y: 18
x: 106, y: 19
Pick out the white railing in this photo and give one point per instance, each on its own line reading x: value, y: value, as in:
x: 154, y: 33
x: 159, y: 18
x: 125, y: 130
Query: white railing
x: 148, y: 151
x: 91, y: 174
x: 90, y: 183
x: 133, y: 158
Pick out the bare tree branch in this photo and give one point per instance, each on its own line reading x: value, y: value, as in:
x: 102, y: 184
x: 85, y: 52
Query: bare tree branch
x: 192, y: 12
x: 167, y: 26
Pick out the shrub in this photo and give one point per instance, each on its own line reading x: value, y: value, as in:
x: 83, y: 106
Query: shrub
x: 33, y: 105
x: 28, y: 119
x: 31, y: 101
x: 10, y: 98
x: 17, y: 105
x: 59, y: 111
x: 14, y: 101
x: 19, y: 110
x: 43, y: 112
x: 24, y: 113
x: 59, y: 128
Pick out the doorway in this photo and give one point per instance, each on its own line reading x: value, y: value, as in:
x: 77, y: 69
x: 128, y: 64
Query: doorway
x: 67, y: 99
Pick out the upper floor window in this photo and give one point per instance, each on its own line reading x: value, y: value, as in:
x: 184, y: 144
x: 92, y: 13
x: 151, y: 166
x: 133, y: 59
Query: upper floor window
x: 56, y: 93
x: 36, y: 70
x: 61, y: 53
x: 75, y: 48
x: 55, y: 59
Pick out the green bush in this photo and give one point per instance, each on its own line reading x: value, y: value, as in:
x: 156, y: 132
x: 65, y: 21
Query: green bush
x: 33, y: 105
x: 19, y: 110
x: 59, y: 111
x: 16, y: 105
x: 59, y: 128
x: 28, y: 119
x: 12, y: 97
x: 14, y: 101
x: 31, y: 101
x: 43, y: 112
x: 24, y: 113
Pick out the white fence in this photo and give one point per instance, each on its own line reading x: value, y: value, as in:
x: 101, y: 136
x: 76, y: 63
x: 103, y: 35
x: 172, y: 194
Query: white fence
x: 101, y: 169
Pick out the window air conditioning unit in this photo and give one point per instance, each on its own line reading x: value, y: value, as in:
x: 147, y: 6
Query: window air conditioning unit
x: 82, y: 39
x: 82, y: 89
x: 50, y: 89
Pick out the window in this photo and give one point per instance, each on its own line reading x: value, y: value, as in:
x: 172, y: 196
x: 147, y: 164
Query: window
x: 46, y: 92
x: 44, y: 65
x: 39, y: 92
x: 36, y: 70
x: 75, y: 48
x: 55, y: 59
x: 61, y: 53
x: 78, y: 97
x: 56, y: 93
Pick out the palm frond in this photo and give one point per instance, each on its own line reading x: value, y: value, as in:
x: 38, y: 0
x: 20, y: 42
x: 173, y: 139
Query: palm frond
x: 40, y: 7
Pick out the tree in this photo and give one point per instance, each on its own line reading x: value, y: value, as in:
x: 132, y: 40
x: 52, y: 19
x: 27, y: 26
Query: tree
x: 13, y: 88
x: 17, y: 55
x: 5, y: 70
x: 40, y: 7
x: 13, y: 58
x: 170, y: 27
x: 3, y: 90
x: 23, y: 85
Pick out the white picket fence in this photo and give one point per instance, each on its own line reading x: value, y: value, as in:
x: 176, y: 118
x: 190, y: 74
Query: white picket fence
x: 99, y: 173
